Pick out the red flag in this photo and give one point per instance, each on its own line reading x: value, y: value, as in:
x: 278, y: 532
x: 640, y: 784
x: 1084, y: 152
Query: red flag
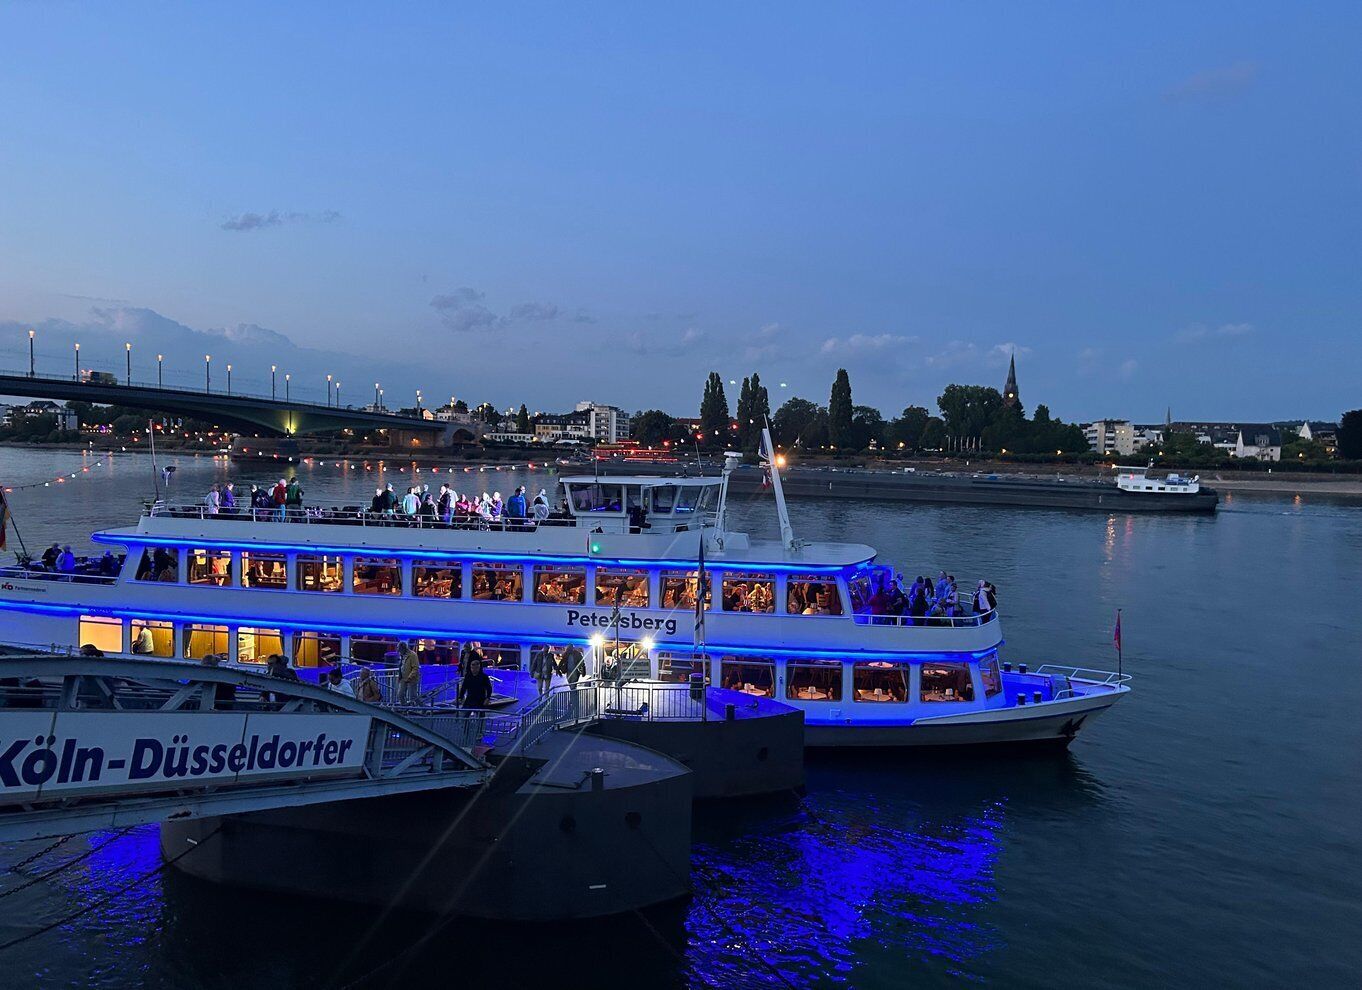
x: 1116, y: 635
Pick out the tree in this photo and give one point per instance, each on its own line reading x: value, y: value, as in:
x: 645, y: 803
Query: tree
x: 968, y: 410
x: 653, y: 427
x: 907, y: 428
x: 933, y: 433
x: 714, y: 418
x: 867, y: 427
x: 460, y: 406
x: 840, y: 411
x: 1350, y: 435
x: 522, y: 420
x: 744, y: 414
x: 800, y: 422
x: 488, y: 414
x: 761, y: 404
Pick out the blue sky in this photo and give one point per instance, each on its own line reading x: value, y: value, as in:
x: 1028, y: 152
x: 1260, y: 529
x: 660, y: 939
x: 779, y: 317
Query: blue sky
x: 1151, y: 204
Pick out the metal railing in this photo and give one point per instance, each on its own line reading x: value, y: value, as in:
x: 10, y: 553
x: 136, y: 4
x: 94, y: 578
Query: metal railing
x: 972, y: 619
x: 1089, y: 675
x: 350, y: 516
x: 28, y: 573
x: 651, y: 702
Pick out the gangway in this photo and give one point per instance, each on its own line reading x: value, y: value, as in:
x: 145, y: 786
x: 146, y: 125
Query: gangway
x: 94, y: 743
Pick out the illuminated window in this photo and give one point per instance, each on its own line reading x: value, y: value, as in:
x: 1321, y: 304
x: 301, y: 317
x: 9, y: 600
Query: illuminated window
x: 809, y: 680
x: 374, y: 649
x: 880, y: 681
x: 314, y: 649
x: 559, y: 585
x: 696, y: 498
x: 442, y: 652
x: 627, y: 588
x: 201, y: 640
x: 678, y: 589
x: 255, y: 645
x: 102, y: 632
x: 750, y: 675
x: 495, y: 582
x: 597, y: 498
x: 946, y: 682
x: 153, y: 638
x: 993, y: 680
x: 320, y: 573
x: 437, y: 579
x: 210, y: 567
x: 677, y: 667
x: 377, y: 576
x: 263, y: 570
x: 749, y: 593
x: 500, y: 656
x: 811, y: 595
x: 158, y: 564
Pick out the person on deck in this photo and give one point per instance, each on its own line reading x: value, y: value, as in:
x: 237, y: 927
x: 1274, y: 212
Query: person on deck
x: 541, y: 668
x: 377, y: 504
x: 367, y: 689
x: 66, y: 563
x: 293, y: 497
x: 475, y: 690
x: 278, y: 497
x: 445, y: 504
x: 984, y: 602
x: 515, y: 505
x: 50, y: 556
x: 108, y: 564
x: 212, y: 500
x: 335, y: 681
x: 408, y: 675
x: 227, y: 500
x: 540, y: 508
x: 260, y: 500
x: 410, y: 503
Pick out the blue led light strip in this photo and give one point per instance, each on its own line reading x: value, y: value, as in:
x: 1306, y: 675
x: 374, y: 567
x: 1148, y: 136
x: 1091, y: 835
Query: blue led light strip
x: 319, y: 548
x: 408, y: 632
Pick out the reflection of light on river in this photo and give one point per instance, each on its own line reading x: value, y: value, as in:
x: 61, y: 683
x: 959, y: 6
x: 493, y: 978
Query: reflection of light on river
x: 811, y: 902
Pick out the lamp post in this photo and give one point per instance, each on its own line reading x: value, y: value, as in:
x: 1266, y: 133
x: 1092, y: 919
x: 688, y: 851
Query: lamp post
x: 337, y: 393
x: 418, y: 402
x: 328, y: 391
x: 208, y: 373
x: 286, y: 381
x: 159, y: 359
x: 273, y: 369
x: 127, y: 348
x: 380, y: 399
x: 77, y: 378
x: 31, y: 335
x: 229, y: 379
x: 376, y: 406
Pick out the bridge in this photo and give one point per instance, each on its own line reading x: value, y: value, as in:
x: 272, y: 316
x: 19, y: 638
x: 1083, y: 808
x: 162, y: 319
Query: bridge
x: 235, y: 411
x: 94, y: 743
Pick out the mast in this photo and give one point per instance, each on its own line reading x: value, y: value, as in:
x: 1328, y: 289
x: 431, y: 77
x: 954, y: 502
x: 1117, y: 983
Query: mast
x: 787, y: 537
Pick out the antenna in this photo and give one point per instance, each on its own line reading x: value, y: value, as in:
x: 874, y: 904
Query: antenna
x: 787, y: 537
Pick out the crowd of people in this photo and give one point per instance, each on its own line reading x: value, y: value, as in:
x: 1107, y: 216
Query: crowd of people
x: 923, y: 599
x: 277, y: 501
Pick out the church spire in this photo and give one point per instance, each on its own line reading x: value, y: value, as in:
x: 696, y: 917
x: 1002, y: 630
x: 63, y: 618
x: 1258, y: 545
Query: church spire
x: 1010, y: 396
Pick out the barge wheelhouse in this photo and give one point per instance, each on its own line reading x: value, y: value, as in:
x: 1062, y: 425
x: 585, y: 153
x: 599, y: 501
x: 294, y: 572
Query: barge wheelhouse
x: 617, y: 571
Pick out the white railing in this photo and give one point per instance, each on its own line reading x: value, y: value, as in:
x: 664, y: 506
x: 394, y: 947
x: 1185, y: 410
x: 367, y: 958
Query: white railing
x: 351, y: 516
x: 973, y: 619
x: 1089, y: 675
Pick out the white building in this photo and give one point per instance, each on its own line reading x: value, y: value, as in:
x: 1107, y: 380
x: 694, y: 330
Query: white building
x: 606, y: 424
x: 65, y: 419
x: 1112, y: 436
x: 1261, y: 442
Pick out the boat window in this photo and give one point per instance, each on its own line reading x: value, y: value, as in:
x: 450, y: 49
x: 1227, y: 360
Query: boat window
x: 255, y: 645
x: 437, y: 579
x: 946, y: 682
x: 809, y: 680
x: 494, y: 582
x: 663, y: 500
x: 374, y: 649
x: 859, y: 587
x: 678, y: 589
x: 687, y: 499
x: 677, y: 667
x: 750, y: 675
x: 102, y: 632
x: 158, y: 564
x: 591, y: 497
x: 559, y: 585
x: 749, y: 593
x: 988, y: 670
x: 201, y: 639
x: 210, y: 567
x: 377, y: 576
x: 812, y: 595
x: 315, y: 649
x: 500, y: 656
x: 153, y: 638
x: 626, y: 588
x: 442, y: 652
x: 628, y: 660
x: 320, y: 573
x: 263, y: 570
x: 880, y: 681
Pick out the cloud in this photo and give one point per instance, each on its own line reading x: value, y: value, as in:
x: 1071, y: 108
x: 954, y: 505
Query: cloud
x: 860, y: 343
x: 1000, y: 354
x: 463, y: 312
x: 664, y: 344
x: 1214, y: 84
x: 955, y: 354
x: 274, y: 218
x: 1127, y: 369
x: 534, y: 311
x: 1200, y: 332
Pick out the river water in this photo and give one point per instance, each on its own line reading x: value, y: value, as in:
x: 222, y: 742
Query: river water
x: 1206, y: 830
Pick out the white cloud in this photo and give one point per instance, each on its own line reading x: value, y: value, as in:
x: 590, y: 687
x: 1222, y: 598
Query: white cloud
x: 1000, y: 354
x: 1199, y: 331
x: 1213, y: 84
x: 861, y: 343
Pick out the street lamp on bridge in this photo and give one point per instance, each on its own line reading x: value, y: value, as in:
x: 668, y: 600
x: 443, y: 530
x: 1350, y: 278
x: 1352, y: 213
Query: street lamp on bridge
x: 229, y: 379
x: 159, y: 359
x: 208, y: 372
x: 328, y: 391
x: 418, y: 402
x: 286, y: 381
x: 376, y: 405
x: 128, y: 349
x: 31, y: 335
x: 273, y: 369
x: 77, y: 361
x: 338, y: 405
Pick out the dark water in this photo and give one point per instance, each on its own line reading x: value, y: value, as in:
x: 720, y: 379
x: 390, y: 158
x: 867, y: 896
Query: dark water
x: 1205, y: 830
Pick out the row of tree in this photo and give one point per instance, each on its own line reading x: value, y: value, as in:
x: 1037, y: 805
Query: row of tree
x: 971, y: 417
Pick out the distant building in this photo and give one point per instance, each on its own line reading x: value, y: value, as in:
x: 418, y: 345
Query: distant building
x: 1259, y: 441
x: 1010, y: 395
x: 608, y: 424
x: 64, y: 419
x: 1112, y: 436
x: 510, y: 437
x: 551, y: 427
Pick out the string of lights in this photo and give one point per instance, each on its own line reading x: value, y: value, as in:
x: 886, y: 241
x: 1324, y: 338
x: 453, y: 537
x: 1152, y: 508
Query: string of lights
x: 60, y: 479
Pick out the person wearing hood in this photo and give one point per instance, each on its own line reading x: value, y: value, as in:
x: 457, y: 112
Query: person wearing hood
x: 540, y: 507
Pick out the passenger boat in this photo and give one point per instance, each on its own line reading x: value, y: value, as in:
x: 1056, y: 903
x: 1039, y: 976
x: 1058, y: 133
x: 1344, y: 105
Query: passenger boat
x: 617, y: 571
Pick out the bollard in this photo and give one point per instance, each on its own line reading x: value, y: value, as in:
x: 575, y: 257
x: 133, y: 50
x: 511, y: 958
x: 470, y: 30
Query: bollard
x: 1021, y: 668
x: 730, y: 712
x: 1007, y: 666
x: 697, y: 687
x: 1021, y: 699
x: 1038, y: 697
x: 597, y: 779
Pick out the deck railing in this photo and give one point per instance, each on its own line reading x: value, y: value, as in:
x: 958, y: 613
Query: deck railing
x: 953, y: 621
x: 347, y: 516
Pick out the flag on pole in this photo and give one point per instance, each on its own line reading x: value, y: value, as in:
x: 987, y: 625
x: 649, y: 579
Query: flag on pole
x: 4, y: 518
x: 1116, y: 635
x: 701, y: 585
